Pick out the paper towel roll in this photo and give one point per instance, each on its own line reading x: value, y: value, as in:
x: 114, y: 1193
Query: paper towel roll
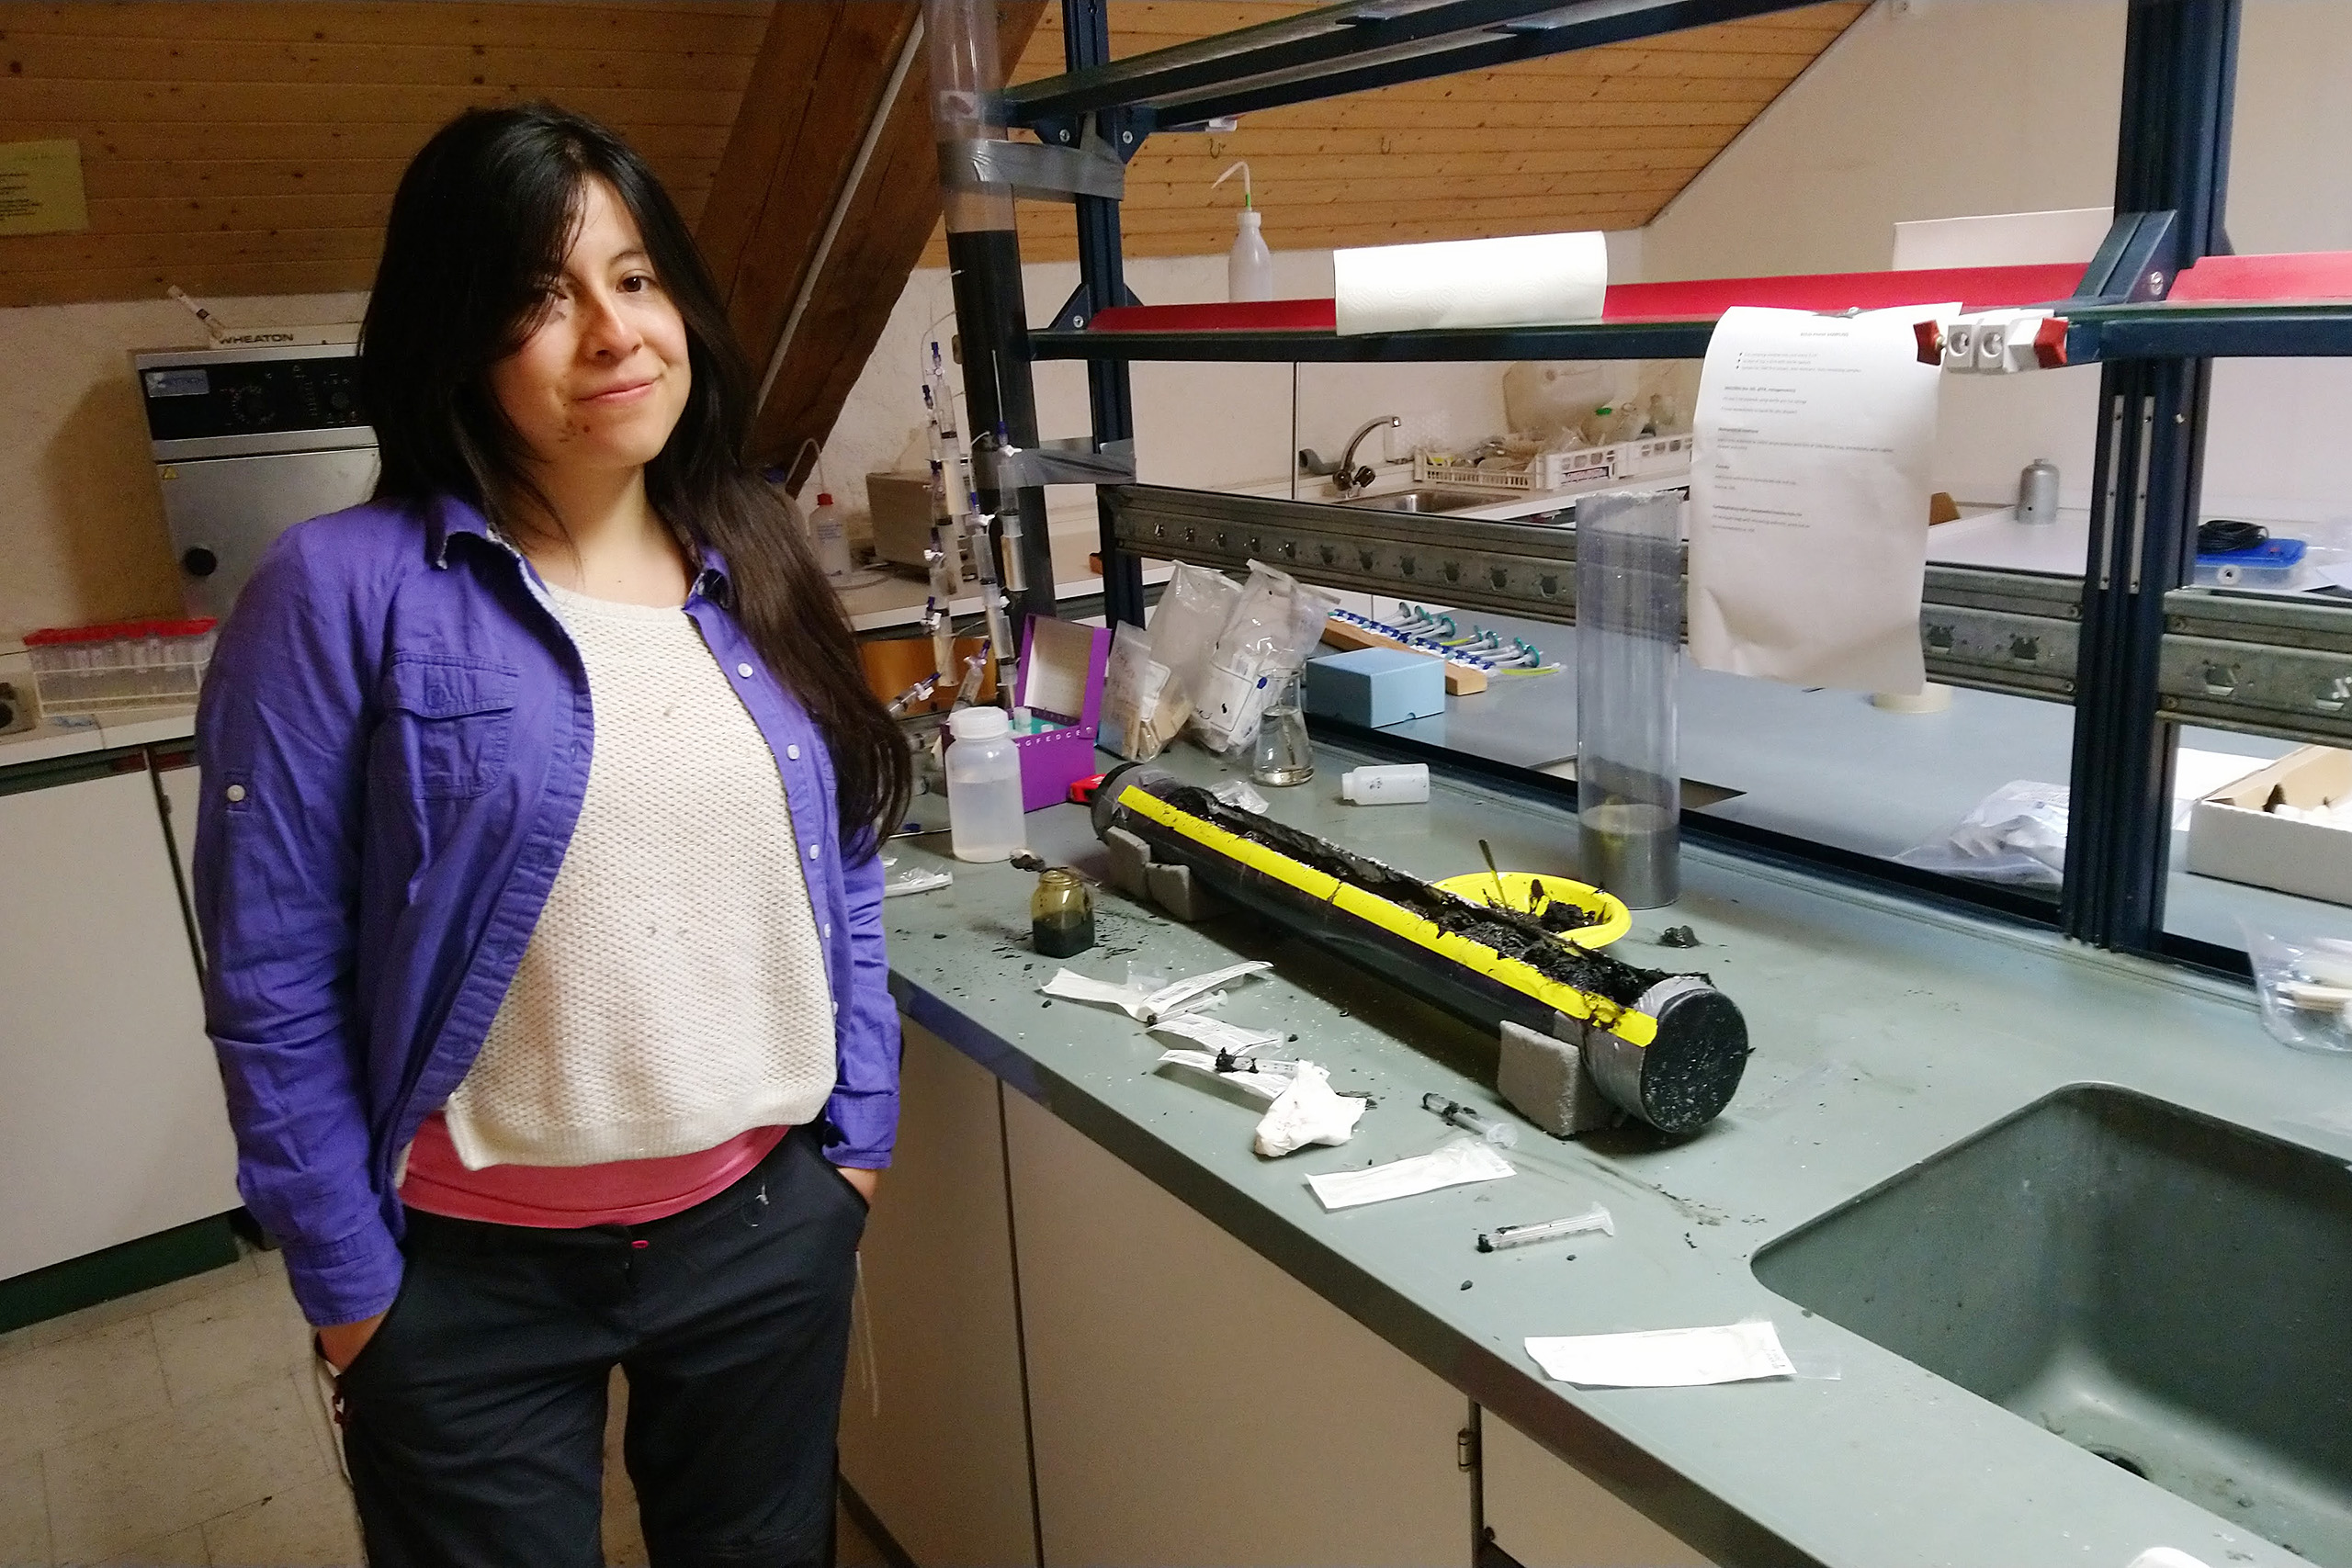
x: 1529, y: 281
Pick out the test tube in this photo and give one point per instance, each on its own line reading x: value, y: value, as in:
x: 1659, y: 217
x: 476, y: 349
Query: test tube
x: 1629, y: 649
x: 1503, y: 1237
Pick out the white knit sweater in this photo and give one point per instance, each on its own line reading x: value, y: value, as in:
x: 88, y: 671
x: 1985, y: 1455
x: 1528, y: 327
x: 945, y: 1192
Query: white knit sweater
x: 673, y: 993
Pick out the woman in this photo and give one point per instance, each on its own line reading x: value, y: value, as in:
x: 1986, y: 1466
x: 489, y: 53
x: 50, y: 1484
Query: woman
x: 538, y: 880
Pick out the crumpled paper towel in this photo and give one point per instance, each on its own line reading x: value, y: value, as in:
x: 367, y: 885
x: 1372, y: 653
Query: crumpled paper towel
x: 1308, y: 1111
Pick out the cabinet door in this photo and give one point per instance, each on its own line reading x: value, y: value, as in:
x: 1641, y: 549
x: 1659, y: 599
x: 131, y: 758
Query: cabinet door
x: 1545, y: 1513
x: 1191, y: 1403
x: 180, y: 783
x: 112, y: 1124
x: 932, y: 1435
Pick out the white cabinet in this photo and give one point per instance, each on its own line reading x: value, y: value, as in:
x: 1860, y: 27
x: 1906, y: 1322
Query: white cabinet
x: 933, y: 1437
x: 112, y: 1124
x: 1545, y: 1513
x: 179, y: 786
x: 1194, y: 1404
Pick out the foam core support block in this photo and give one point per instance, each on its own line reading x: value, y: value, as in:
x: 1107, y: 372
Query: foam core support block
x: 1547, y: 1081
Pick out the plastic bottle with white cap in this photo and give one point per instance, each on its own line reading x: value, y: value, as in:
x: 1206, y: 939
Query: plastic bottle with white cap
x: 825, y: 531
x: 1400, y: 784
x: 984, y: 786
x: 1249, y: 266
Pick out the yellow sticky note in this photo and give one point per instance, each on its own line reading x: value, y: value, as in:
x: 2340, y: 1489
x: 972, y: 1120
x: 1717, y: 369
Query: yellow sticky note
x: 40, y: 188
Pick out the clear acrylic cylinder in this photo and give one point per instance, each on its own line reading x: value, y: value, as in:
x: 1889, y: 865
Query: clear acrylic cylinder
x: 1629, y: 651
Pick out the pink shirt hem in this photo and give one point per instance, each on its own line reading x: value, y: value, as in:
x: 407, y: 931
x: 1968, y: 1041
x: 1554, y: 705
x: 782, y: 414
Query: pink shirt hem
x: 623, y: 1192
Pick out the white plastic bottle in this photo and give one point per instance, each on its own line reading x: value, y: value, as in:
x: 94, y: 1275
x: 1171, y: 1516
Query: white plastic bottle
x: 1401, y: 784
x: 1250, y: 266
x: 984, y: 786
x: 825, y: 531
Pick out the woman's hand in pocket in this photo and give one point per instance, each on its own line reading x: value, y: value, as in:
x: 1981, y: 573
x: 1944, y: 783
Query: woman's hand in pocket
x: 866, y: 1181
x: 341, y: 1345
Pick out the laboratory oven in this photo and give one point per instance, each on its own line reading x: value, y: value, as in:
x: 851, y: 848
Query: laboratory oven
x: 247, y: 442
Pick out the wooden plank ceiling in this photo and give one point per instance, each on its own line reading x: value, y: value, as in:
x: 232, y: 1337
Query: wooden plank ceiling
x: 1599, y: 139
x: 252, y: 148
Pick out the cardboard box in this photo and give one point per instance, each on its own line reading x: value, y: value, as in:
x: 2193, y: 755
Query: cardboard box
x: 1062, y: 687
x: 899, y: 504
x: 2232, y: 836
x: 1375, y: 686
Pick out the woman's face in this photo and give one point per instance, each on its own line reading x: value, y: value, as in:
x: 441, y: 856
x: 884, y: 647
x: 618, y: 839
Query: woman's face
x: 601, y: 381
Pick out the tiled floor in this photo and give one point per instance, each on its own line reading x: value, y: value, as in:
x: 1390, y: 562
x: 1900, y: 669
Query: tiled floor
x: 181, y: 1428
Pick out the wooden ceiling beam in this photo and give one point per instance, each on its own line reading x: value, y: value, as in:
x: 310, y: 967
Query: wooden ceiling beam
x: 885, y: 221
x: 821, y: 78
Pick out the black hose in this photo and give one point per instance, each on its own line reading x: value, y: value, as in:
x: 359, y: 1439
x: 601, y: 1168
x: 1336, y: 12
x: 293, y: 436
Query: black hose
x: 2228, y: 536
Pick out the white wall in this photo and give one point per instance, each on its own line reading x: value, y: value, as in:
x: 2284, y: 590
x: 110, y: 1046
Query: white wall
x: 1875, y: 133
x: 82, y: 535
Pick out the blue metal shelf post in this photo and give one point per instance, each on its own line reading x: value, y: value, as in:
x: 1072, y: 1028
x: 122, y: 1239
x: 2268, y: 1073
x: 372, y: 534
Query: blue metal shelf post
x: 2179, y: 70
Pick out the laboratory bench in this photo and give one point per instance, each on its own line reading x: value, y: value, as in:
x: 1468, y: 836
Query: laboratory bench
x: 1162, y: 1350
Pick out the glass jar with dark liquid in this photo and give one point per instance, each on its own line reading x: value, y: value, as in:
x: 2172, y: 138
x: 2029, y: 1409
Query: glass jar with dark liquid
x: 1061, y: 915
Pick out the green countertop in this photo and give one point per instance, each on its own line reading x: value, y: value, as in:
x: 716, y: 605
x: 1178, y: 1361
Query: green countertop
x: 1884, y: 1031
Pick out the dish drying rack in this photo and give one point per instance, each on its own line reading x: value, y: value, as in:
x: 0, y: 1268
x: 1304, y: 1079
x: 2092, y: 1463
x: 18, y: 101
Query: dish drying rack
x: 1645, y: 457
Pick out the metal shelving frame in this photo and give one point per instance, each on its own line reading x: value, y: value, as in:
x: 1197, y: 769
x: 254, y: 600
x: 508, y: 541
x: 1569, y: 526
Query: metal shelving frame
x: 2133, y: 649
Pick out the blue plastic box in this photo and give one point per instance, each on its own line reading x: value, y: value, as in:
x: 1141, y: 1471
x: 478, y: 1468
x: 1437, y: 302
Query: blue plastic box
x: 1375, y: 686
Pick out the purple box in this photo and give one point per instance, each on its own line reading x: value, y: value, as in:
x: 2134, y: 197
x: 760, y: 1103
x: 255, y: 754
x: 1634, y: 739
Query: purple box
x: 1062, y: 687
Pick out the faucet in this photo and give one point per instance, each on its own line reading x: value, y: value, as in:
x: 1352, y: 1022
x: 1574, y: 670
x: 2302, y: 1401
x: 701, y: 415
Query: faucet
x: 1346, y: 477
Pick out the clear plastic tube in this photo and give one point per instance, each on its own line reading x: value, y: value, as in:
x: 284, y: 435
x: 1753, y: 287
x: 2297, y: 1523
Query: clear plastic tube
x: 1629, y: 649
x: 967, y: 78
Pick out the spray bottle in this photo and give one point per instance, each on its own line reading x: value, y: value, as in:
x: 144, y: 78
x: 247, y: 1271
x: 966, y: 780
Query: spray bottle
x: 1250, y: 266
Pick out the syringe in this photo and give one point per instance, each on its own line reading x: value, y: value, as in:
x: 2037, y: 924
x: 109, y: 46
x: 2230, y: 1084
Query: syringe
x: 1502, y: 1135
x: 1503, y: 1237
x: 1227, y: 1062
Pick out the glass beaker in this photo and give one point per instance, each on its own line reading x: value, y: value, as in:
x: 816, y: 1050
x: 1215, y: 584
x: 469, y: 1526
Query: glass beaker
x: 1282, y: 755
x: 1061, y: 915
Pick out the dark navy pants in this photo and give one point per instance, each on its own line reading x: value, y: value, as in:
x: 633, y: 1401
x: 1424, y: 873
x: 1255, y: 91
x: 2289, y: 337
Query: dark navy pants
x: 475, y: 1417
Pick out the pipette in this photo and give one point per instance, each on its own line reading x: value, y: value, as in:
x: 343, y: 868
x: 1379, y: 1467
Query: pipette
x: 1503, y: 1237
x: 1502, y: 1135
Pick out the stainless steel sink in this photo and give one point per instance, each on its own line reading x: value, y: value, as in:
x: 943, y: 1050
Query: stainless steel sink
x: 1423, y: 501
x: 2172, y: 1292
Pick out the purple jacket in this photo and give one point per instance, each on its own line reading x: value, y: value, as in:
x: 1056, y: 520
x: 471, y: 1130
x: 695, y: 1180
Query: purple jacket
x: 394, y: 737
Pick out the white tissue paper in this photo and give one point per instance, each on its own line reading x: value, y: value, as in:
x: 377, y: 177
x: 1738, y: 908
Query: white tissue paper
x: 1307, y: 1112
x: 1462, y: 1160
x: 916, y: 880
x: 1664, y: 1357
x: 1240, y: 797
x: 1526, y: 280
x: 1178, y: 995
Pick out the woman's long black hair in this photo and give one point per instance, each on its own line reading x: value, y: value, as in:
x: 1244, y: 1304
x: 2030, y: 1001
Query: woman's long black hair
x: 479, y: 229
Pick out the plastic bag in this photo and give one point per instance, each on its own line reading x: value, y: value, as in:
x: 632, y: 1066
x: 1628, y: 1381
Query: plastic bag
x: 1273, y: 626
x: 1184, y: 627
x: 1144, y: 708
x: 2017, y: 835
x: 2304, y: 983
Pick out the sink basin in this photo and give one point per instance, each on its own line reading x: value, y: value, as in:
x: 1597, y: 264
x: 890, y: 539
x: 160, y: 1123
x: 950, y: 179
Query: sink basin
x: 2172, y: 1292
x: 1424, y: 501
